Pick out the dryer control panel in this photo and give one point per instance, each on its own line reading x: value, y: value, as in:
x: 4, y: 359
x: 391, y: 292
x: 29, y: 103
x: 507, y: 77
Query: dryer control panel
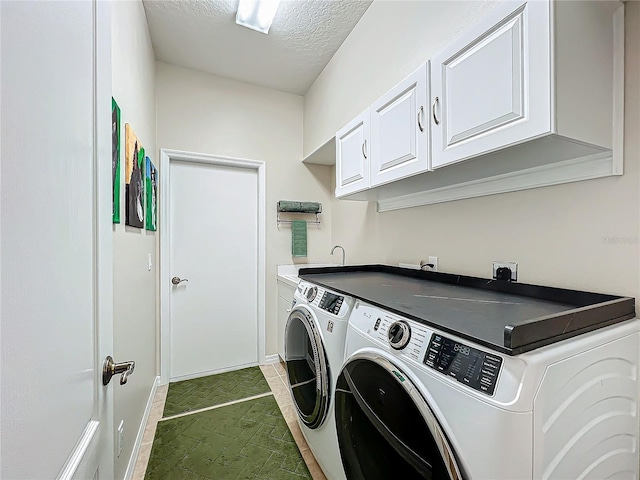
x: 331, y: 302
x: 468, y: 365
x: 326, y: 300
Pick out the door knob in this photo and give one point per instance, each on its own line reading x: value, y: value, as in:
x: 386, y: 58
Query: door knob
x: 178, y: 280
x: 111, y: 368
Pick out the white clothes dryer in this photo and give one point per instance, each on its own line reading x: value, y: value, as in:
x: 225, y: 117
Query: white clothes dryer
x: 414, y: 402
x: 314, y: 352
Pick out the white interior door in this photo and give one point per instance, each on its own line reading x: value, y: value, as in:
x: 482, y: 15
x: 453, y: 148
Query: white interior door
x: 55, y: 240
x: 214, y: 245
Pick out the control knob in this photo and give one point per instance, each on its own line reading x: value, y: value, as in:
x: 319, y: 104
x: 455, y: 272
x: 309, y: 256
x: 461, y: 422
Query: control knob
x: 311, y: 293
x: 399, y: 334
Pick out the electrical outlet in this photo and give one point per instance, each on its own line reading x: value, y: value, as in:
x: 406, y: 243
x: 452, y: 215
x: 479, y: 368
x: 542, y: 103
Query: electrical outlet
x: 499, y: 271
x: 434, y: 262
x: 425, y: 264
x: 120, y: 437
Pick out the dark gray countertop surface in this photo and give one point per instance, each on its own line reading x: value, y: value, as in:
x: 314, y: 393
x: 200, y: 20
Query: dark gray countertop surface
x: 474, y: 312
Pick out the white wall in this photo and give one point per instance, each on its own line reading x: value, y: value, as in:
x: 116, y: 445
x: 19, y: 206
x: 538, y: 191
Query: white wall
x: 134, y: 289
x: 204, y: 113
x: 581, y: 235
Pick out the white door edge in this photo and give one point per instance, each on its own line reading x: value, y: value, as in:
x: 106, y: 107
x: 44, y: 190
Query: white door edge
x: 103, y: 237
x: 166, y: 157
x: 95, y: 446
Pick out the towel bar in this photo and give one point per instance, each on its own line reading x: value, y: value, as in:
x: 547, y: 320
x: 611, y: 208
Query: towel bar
x: 304, y: 208
x: 278, y: 221
x: 317, y: 222
x: 298, y: 208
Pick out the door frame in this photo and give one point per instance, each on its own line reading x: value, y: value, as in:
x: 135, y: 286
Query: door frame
x: 166, y: 157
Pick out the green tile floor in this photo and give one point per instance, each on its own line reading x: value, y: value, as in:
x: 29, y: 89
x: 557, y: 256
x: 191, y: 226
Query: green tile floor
x: 246, y: 440
x: 190, y: 395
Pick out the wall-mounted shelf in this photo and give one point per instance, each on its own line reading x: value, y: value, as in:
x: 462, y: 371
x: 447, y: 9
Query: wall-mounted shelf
x: 298, y: 208
x: 325, y: 154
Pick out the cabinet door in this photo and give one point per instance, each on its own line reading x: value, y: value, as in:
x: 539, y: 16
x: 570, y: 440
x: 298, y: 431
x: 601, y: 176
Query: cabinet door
x: 491, y: 88
x: 399, y: 130
x: 352, y: 156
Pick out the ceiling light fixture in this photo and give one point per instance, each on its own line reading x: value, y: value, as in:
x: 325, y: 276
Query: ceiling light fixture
x: 257, y: 14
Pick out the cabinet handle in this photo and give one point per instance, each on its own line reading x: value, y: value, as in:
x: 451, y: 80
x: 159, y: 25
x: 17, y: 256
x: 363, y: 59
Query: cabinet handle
x: 420, y: 115
x: 364, y: 146
x: 433, y: 108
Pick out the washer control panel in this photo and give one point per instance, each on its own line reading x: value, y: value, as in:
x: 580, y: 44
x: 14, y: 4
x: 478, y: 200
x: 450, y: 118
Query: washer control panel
x: 412, y: 337
x: 331, y: 302
x: 470, y: 366
x: 311, y: 293
x: 399, y: 334
x: 323, y: 299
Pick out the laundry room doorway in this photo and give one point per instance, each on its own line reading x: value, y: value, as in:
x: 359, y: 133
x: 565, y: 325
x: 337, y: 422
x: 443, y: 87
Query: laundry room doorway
x: 212, y: 264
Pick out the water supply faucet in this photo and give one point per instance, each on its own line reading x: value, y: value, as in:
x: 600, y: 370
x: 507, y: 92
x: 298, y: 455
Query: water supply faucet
x: 340, y: 247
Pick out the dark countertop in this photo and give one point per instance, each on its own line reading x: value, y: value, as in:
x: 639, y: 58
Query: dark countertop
x: 511, y: 318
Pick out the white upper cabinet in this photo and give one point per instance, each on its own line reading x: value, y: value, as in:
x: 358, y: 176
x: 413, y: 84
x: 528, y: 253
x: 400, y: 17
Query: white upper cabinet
x: 400, y: 130
x: 531, y: 95
x: 491, y: 88
x: 352, y: 156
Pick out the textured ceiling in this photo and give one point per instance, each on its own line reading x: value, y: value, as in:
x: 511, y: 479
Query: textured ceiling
x: 202, y: 35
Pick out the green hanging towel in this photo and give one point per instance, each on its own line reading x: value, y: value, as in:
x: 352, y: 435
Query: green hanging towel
x: 299, y: 238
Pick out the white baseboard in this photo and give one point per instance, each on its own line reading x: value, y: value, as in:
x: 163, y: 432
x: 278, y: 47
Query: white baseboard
x: 191, y: 376
x: 268, y: 359
x: 143, y: 425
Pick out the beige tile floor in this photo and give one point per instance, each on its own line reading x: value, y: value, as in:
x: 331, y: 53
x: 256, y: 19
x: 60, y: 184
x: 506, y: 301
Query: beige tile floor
x: 276, y: 376
x: 150, y: 431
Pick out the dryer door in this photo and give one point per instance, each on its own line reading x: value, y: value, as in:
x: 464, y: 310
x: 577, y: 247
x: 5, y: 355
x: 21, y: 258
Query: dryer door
x: 385, y: 427
x: 307, y: 367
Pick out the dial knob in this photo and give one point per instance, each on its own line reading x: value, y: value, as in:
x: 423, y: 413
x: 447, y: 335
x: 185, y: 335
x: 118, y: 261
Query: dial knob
x: 311, y: 293
x: 399, y: 334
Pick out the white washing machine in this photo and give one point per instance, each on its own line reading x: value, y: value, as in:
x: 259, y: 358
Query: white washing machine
x: 413, y: 402
x: 314, y: 351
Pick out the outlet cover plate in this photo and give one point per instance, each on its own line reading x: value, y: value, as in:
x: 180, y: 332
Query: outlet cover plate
x: 120, y: 437
x: 434, y: 261
x: 511, y: 265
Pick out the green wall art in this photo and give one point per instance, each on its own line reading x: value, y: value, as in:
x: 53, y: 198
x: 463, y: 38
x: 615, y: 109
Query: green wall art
x: 134, y: 185
x: 151, y: 193
x: 115, y: 158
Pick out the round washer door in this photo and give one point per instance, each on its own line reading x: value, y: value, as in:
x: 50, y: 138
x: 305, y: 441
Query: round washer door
x: 307, y: 367
x: 385, y: 427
